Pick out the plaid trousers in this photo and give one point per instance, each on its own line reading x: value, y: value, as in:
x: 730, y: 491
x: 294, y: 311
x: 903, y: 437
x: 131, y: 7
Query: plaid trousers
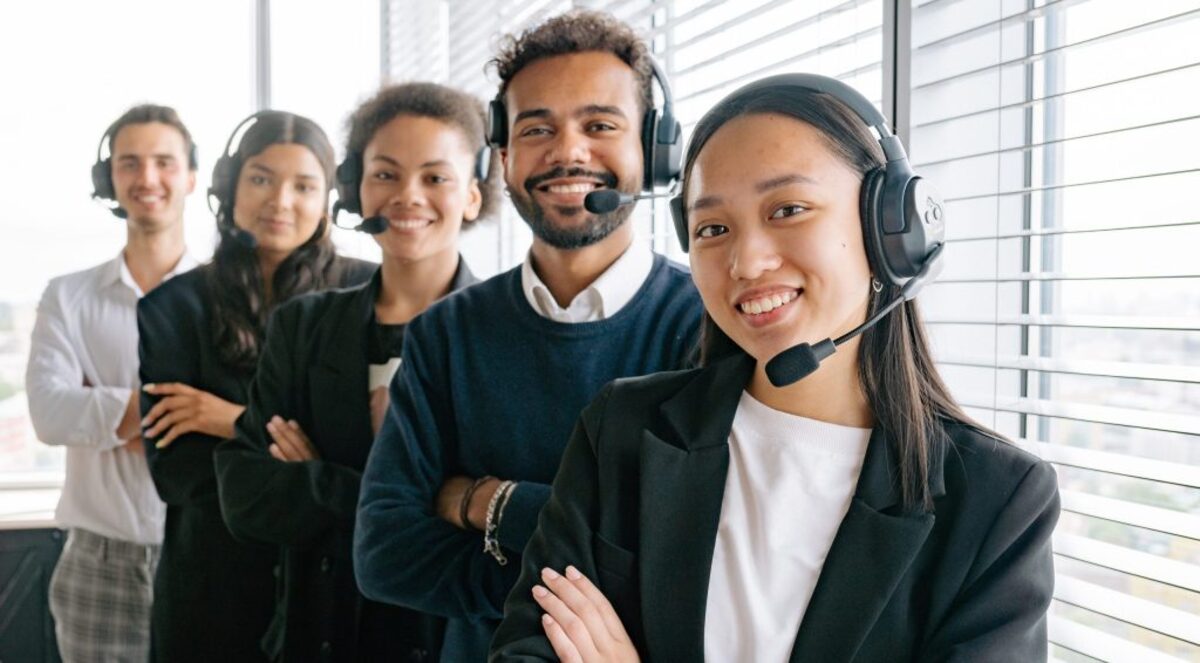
x: 100, y: 597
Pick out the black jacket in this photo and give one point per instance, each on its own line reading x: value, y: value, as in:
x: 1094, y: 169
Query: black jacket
x: 638, y: 497
x: 314, y: 370
x: 212, y: 594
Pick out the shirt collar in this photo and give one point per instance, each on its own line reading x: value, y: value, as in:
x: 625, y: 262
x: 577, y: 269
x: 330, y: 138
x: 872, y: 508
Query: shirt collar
x: 607, y: 295
x: 119, y: 271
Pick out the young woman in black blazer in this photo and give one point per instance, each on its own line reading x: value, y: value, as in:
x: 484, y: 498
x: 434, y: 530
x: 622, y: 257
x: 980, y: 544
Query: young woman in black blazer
x: 743, y: 511
x: 199, y: 343
x: 290, y: 476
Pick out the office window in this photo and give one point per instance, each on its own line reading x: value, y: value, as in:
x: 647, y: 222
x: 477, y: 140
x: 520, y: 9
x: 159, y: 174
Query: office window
x: 707, y: 49
x: 62, y: 88
x: 325, y: 60
x: 1068, y: 317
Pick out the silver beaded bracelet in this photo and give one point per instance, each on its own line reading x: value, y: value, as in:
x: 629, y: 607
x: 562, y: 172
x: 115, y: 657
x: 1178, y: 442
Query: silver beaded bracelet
x: 495, y: 513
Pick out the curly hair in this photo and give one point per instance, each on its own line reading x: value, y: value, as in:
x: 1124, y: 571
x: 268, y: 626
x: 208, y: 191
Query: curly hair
x: 438, y: 102
x: 577, y: 31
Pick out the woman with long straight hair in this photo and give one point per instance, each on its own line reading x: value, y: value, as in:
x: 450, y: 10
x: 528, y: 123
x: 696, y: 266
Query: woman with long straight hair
x: 200, y: 340
x: 291, y: 475
x: 795, y: 498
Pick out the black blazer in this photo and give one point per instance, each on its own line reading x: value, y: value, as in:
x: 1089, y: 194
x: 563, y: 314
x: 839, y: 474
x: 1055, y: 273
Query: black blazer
x: 638, y: 497
x: 212, y: 594
x: 314, y: 370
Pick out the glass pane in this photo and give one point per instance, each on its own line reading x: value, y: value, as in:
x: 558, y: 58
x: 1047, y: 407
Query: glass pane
x: 96, y: 65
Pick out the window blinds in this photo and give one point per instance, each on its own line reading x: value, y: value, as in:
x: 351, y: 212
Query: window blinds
x: 1062, y: 134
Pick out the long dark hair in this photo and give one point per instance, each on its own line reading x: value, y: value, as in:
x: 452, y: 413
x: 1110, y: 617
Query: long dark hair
x: 235, y: 280
x: 896, y: 369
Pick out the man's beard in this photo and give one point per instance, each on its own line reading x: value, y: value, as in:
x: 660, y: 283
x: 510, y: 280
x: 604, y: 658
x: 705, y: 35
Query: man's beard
x: 594, y: 227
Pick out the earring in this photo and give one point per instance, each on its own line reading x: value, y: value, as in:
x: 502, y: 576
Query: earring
x: 876, y: 285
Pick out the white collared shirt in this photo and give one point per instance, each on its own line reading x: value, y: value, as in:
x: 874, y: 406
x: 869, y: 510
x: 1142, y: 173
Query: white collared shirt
x: 789, y: 485
x: 607, y: 295
x: 86, y: 330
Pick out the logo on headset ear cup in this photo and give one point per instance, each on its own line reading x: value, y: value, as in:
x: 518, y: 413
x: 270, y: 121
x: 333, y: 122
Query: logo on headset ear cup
x: 902, y: 221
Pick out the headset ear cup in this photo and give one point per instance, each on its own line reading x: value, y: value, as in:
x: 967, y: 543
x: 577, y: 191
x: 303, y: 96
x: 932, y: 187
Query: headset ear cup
x: 349, y: 178
x: 497, y: 123
x: 668, y: 153
x: 679, y: 217
x: 649, y: 149
x: 869, y: 209
x: 483, y: 163
x: 102, y: 185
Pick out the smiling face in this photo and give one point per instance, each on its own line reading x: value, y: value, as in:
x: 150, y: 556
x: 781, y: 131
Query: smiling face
x: 281, y: 197
x: 418, y: 172
x: 574, y: 128
x: 776, y: 238
x: 150, y: 174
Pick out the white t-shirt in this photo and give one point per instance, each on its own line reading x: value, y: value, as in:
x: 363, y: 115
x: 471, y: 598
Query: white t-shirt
x: 789, y: 485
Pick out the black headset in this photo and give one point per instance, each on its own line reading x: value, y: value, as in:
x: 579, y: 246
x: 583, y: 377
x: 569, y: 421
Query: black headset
x: 662, y: 138
x: 102, y: 184
x: 903, y: 219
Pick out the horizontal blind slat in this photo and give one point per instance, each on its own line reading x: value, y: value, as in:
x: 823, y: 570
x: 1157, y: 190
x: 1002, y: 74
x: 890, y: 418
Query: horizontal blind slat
x: 1153, y: 518
x: 1027, y: 147
x: 1166, y: 422
x: 1099, y: 645
x: 1126, y: 370
x: 1066, y: 276
x: 1053, y: 97
x: 1127, y: 561
x: 759, y: 40
x: 1143, y: 323
x: 1071, y: 185
x: 1129, y: 609
x: 1044, y: 232
x: 1041, y: 55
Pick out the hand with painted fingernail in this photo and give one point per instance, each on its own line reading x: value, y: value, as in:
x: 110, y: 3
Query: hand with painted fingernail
x: 183, y: 409
x: 290, y: 443
x: 580, y: 622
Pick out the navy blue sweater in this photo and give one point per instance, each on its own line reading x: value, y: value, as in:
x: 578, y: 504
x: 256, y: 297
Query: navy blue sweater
x: 489, y: 387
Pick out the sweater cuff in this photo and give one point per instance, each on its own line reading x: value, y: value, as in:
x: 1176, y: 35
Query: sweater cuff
x: 521, y: 514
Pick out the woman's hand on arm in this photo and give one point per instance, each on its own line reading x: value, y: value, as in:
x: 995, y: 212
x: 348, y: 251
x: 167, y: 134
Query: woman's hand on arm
x: 183, y: 409
x: 289, y: 441
x: 580, y: 622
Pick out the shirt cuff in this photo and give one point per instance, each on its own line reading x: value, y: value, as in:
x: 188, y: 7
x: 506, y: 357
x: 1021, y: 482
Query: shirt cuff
x: 110, y: 403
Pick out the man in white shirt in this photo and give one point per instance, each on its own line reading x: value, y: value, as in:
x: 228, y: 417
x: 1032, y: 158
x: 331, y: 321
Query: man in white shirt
x: 83, y: 393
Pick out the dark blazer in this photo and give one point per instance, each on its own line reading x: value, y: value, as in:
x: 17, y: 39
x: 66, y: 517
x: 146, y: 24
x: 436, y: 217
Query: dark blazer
x: 314, y: 370
x: 637, y: 501
x: 212, y: 594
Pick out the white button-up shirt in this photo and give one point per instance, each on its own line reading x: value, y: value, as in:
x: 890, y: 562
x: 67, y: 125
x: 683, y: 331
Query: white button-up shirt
x: 83, y: 369
x: 607, y: 295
